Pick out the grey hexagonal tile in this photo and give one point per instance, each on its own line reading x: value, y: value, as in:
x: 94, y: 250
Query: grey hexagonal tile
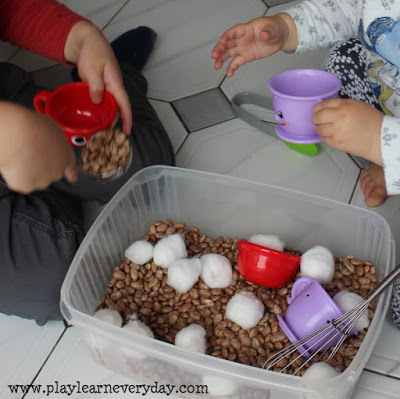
x: 204, y: 109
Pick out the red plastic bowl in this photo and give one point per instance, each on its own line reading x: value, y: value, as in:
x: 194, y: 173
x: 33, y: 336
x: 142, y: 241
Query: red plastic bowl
x: 266, y: 267
x: 71, y: 107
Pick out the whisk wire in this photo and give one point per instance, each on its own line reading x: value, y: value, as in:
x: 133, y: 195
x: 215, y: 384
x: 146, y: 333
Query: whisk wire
x: 337, y: 329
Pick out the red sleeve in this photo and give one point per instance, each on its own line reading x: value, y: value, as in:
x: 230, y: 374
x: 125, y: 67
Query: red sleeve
x: 41, y: 26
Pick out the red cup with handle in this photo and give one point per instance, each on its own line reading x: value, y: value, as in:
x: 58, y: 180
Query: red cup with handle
x: 78, y: 116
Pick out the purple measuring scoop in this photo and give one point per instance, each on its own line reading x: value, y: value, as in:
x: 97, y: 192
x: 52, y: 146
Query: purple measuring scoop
x: 310, y: 308
x: 294, y: 94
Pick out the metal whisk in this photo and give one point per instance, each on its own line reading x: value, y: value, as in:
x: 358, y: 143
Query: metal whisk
x: 336, y: 330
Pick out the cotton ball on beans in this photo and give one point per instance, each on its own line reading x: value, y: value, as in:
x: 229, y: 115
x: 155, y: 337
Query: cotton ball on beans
x: 219, y: 386
x: 245, y: 309
x: 269, y: 241
x: 320, y: 371
x: 109, y: 316
x: 318, y: 263
x: 346, y: 301
x: 107, y: 351
x: 168, y: 249
x: 216, y: 270
x: 183, y: 274
x: 136, y: 327
x: 192, y: 338
x: 140, y: 252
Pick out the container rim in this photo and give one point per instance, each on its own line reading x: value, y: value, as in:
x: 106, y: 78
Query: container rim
x: 193, y: 360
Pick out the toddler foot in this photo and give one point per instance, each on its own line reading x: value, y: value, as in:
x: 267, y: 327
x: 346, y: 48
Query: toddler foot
x: 373, y: 185
x: 135, y: 46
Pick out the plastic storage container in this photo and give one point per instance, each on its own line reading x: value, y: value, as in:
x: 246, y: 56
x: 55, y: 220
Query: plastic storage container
x: 232, y: 207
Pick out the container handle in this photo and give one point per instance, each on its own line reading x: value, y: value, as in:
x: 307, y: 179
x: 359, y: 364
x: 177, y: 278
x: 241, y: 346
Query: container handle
x: 39, y: 101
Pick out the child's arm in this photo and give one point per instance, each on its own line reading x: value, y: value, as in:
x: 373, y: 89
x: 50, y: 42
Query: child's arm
x: 87, y: 47
x: 390, y: 147
x: 49, y: 28
x: 259, y: 38
x: 321, y: 24
x: 40, y: 26
x: 33, y: 150
x: 351, y: 126
x: 310, y: 25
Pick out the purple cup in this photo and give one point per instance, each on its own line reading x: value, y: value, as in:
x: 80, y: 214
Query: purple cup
x: 294, y: 94
x: 310, y: 308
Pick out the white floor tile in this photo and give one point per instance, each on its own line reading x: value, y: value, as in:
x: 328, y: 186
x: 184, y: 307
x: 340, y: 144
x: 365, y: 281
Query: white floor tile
x: 6, y: 51
x: 100, y: 12
x: 375, y: 386
x: 236, y: 149
x: 72, y: 363
x: 181, y: 63
x: 176, y: 132
x: 385, y: 358
x: 24, y: 348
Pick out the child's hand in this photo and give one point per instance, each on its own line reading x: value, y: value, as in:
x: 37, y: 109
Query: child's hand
x: 33, y: 150
x: 351, y: 126
x: 259, y: 38
x: 87, y: 47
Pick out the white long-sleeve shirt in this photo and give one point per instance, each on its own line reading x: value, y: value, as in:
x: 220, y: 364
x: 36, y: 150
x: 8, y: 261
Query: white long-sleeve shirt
x: 324, y: 23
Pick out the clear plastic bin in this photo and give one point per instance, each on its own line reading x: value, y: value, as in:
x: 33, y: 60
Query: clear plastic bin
x: 231, y: 207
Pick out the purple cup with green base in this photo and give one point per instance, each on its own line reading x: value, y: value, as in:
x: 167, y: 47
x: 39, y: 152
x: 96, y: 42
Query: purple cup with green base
x: 294, y: 95
x: 310, y: 308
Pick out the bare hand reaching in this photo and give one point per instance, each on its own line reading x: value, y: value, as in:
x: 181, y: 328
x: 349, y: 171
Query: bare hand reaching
x: 259, y: 38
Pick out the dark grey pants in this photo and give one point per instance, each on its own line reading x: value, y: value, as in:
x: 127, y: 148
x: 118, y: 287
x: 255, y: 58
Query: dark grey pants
x: 40, y: 232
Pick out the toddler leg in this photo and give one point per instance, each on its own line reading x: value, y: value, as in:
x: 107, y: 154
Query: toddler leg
x: 39, y: 236
x: 348, y: 62
x: 39, y: 233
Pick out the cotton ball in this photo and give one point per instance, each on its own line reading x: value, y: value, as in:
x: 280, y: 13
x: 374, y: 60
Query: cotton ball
x: 168, y: 249
x: 320, y: 371
x: 318, y: 263
x: 109, y: 316
x: 192, y: 338
x: 109, y: 354
x: 269, y: 241
x: 183, y: 274
x: 216, y: 270
x: 245, y: 309
x: 219, y: 386
x: 137, y: 327
x: 346, y: 301
x: 140, y: 252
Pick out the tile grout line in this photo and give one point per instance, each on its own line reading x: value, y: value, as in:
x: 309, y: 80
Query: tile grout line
x: 382, y: 374
x: 114, y: 16
x: 47, y: 358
